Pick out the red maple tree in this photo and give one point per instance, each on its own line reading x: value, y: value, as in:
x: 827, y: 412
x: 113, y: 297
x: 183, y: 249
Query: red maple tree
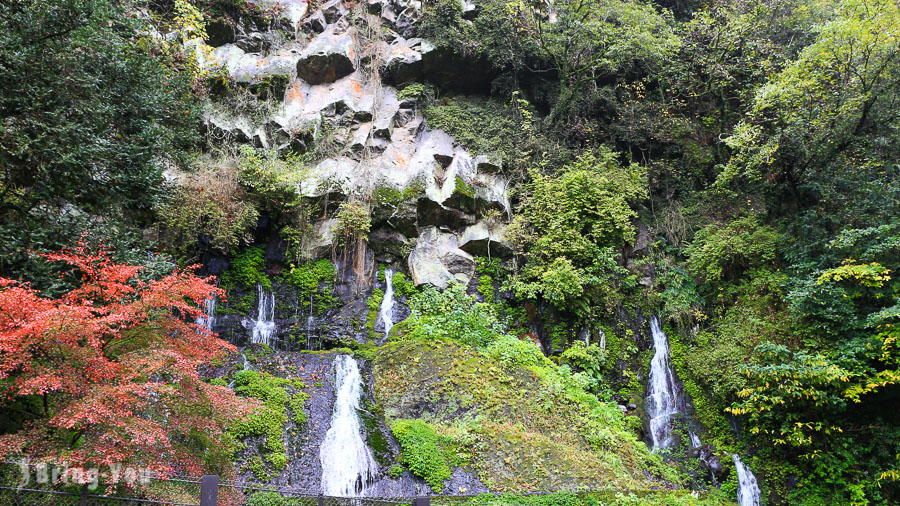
x: 108, y: 373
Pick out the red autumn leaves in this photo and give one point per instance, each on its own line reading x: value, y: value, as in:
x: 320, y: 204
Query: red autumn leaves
x: 107, y: 373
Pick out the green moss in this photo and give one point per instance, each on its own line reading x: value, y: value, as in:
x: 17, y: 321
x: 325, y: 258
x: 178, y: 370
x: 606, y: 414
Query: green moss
x: 415, y: 91
x: 518, y: 419
x: 247, y: 269
x: 258, y: 351
x: 395, y: 471
x: 392, y: 197
x: 403, y: 286
x: 258, y: 468
x: 422, y: 451
x: 606, y: 497
x: 316, y: 280
x: 296, y: 403
x: 218, y: 382
x: 270, y: 420
x: 483, y: 126
x: 486, y: 288
x: 375, y: 440
x: 707, y: 412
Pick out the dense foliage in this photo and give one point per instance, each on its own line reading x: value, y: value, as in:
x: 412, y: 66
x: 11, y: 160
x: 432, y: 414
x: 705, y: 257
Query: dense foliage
x: 93, y: 109
x: 107, y: 374
x: 731, y: 166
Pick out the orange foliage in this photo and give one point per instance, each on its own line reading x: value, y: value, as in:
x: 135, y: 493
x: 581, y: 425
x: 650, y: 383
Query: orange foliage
x: 113, y: 365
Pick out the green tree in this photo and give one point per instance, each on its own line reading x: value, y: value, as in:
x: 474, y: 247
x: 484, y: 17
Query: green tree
x: 570, y: 225
x: 88, y: 120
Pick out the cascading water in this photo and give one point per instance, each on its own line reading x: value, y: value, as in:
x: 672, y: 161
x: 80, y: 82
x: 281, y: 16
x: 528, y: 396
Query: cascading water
x: 748, y: 489
x: 208, y: 320
x: 387, y: 303
x: 310, y: 332
x: 348, y: 466
x: 695, y: 439
x: 264, y: 327
x: 245, y: 366
x: 662, y: 398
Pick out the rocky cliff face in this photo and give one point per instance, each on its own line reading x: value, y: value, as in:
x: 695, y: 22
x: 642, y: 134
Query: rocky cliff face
x: 336, y: 72
x: 340, y: 85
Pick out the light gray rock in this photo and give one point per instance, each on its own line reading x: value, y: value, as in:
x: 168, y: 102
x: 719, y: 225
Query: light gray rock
x: 252, y: 67
x: 334, y: 10
x: 328, y: 57
x: 469, y: 10
x: 315, y: 23
x: 438, y: 261
x: 320, y: 242
x: 484, y: 239
x: 289, y: 10
x: 253, y: 42
x: 403, y: 64
x: 488, y: 163
x: 388, y: 243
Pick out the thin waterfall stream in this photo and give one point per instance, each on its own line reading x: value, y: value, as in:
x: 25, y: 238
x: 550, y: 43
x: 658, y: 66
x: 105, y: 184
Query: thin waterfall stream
x: 662, y: 392
x: 748, y: 489
x: 348, y: 466
x: 387, y: 303
x: 264, y: 327
x: 208, y: 320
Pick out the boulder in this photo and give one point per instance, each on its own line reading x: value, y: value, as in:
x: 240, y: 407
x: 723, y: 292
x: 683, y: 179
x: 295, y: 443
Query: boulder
x: 315, y: 23
x: 334, y: 10
x: 488, y: 163
x: 292, y: 11
x: 375, y: 6
x: 320, y: 241
x: 469, y: 10
x: 438, y: 261
x: 328, y: 58
x: 389, y: 245
x: 254, y: 42
x: 252, y: 67
x: 403, y: 64
x: 484, y: 239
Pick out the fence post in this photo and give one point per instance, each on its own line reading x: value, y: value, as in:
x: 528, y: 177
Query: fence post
x: 321, y: 501
x: 84, y: 494
x: 209, y: 490
x: 422, y: 501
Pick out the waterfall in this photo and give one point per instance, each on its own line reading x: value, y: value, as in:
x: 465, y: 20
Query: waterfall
x: 264, y: 327
x: 245, y: 366
x: 348, y: 466
x: 584, y: 335
x: 748, y: 489
x: 662, y: 395
x: 387, y: 303
x: 310, y: 328
x: 208, y: 320
x: 695, y: 439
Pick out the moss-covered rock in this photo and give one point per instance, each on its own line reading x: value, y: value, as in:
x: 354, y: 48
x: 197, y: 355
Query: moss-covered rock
x: 526, y: 429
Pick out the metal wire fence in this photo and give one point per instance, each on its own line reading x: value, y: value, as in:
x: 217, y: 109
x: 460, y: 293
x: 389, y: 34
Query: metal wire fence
x: 23, y: 484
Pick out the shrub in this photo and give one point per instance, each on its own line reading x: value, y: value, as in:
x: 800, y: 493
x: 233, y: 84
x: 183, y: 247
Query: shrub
x: 452, y: 314
x: 209, y: 203
x: 422, y: 451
